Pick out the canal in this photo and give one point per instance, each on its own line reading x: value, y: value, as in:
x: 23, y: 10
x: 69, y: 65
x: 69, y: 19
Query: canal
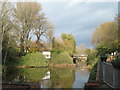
x: 70, y: 77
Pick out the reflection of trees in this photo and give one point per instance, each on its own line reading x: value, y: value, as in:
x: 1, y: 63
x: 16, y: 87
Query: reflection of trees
x: 34, y: 74
x: 24, y: 74
x: 10, y: 74
x: 62, y: 77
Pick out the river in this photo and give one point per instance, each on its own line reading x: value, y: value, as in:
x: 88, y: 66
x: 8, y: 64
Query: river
x: 70, y: 77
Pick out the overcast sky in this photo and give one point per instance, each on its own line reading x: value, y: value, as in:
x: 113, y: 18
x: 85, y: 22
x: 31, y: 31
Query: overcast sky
x: 79, y: 18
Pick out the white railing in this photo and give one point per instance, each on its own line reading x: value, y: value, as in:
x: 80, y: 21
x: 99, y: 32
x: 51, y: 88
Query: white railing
x: 111, y: 76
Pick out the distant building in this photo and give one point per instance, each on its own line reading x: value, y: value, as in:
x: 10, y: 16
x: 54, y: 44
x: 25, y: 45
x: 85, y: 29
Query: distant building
x: 47, y: 54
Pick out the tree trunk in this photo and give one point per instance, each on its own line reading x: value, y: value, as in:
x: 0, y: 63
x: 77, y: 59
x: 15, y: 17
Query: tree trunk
x: 5, y: 58
x: 22, y: 50
x: 38, y: 39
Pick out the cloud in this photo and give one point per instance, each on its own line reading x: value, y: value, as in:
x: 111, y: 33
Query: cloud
x: 72, y: 1
x: 79, y: 18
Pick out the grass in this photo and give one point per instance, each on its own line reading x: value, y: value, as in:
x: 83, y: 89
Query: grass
x: 93, y: 72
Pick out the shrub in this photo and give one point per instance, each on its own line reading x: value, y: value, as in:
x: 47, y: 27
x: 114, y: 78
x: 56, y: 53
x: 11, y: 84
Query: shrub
x: 91, y: 58
x: 33, y: 59
x: 62, y: 58
x: 116, y: 63
x: 93, y: 72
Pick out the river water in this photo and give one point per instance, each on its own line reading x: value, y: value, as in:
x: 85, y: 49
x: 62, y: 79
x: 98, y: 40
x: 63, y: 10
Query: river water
x: 47, y: 77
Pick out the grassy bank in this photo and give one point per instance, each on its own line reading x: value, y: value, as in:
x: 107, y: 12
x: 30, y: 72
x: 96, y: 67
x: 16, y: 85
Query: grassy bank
x: 93, y: 72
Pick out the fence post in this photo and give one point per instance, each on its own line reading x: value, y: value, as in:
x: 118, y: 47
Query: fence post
x: 114, y: 78
x: 103, y: 66
x: 118, y: 78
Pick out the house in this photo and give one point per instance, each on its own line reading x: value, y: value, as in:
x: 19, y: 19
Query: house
x: 47, y: 54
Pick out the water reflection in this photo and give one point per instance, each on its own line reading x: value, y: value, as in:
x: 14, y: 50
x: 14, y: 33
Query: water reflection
x: 62, y: 77
x: 24, y: 75
x: 47, y: 77
x: 80, y: 78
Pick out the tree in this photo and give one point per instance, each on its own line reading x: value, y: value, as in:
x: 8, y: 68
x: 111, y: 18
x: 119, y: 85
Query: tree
x: 7, y: 32
x: 66, y: 43
x: 70, y: 43
x: 5, y: 21
x: 49, y: 37
x: 81, y: 49
x: 102, y: 50
x: 106, y: 34
x: 26, y: 15
x: 10, y: 51
x: 43, y: 28
x: 18, y: 21
x: 58, y: 44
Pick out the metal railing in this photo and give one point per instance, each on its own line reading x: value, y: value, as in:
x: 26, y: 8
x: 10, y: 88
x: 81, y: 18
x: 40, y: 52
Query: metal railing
x: 111, y: 76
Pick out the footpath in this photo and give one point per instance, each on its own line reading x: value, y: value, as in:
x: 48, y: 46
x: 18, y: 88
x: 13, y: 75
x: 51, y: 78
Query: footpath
x: 98, y: 83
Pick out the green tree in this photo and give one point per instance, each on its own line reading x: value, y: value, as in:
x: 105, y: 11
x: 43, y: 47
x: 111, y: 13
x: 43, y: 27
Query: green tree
x: 65, y: 43
x: 10, y: 52
x: 106, y: 34
x: 70, y: 43
x: 58, y: 44
x: 7, y: 34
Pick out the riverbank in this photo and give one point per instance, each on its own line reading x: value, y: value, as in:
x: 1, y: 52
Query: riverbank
x: 51, y: 65
x: 20, y: 86
x: 6, y: 86
x: 62, y: 65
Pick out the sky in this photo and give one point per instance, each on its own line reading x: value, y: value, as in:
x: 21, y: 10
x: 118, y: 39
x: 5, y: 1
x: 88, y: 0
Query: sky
x: 79, y: 18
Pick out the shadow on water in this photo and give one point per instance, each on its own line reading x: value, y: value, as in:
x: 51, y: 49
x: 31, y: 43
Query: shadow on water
x: 47, y: 77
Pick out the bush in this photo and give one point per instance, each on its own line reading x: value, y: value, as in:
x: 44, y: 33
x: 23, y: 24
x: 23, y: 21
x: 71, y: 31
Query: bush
x: 33, y: 59
x: 116, y: 63
x: 93, y: 72
x: 91, y: 58
x: 62, y: 58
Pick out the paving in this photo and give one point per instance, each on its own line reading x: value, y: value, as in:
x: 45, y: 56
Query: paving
x: 93, y: 85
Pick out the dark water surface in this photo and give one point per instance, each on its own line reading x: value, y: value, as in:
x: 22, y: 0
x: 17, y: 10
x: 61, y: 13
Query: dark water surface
x: 47, y: 77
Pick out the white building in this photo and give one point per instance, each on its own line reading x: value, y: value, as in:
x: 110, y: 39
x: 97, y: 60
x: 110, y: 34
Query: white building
x: 47, y: 54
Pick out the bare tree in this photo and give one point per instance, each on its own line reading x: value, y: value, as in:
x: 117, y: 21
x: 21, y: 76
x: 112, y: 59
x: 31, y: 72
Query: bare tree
x: 5, y: 17
x: 44, y: 28
x: 6, y: 24
x: 26, y: 14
